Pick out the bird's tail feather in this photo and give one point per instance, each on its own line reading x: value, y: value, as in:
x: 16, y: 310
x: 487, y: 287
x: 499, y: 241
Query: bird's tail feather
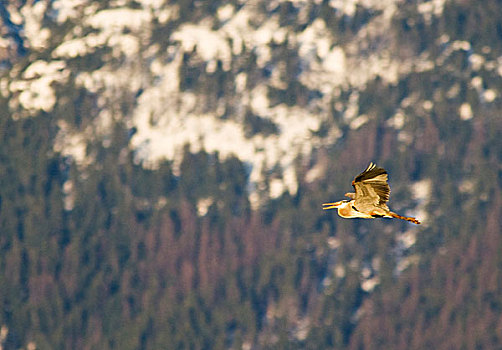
x: 397, y: 216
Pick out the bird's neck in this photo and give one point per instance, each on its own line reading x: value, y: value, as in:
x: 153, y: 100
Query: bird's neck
x: 345, y: 209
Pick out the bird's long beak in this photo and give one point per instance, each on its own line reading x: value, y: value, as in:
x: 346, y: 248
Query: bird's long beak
x: 326, y: 206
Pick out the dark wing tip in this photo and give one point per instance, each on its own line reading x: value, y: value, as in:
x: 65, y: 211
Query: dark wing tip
x: 381, y: 188
x: 371, y: 171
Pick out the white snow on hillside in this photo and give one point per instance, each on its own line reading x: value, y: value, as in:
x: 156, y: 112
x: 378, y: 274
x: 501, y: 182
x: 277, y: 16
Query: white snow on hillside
x: 210, y: 45
x: 166, y: 136
x: 35, y: 90
x: 421, y: 191
x: 166, y: 118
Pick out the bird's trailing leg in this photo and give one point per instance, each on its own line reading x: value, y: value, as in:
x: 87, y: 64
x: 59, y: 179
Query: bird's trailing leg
x: 397, y: 216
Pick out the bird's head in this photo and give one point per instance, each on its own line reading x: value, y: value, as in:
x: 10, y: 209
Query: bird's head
x: 333, y: 205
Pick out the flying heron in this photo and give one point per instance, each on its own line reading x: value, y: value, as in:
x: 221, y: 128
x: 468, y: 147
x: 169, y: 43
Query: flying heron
x: 369, y: 201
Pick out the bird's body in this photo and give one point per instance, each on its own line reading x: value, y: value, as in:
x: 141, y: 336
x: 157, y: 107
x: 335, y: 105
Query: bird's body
x: 347, y: 210
x: 370, y: 197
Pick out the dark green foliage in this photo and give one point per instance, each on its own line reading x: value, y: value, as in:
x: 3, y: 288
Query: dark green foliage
x: 254, y: 124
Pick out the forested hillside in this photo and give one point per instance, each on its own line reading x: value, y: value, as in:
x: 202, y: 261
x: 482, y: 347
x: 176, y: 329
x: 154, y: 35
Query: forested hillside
x: 163, y: 165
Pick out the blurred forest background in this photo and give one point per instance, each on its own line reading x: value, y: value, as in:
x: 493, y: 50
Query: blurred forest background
x: 108, y: 252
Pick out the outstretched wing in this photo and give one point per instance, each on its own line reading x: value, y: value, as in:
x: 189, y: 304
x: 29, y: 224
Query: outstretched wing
x: 371, y: 187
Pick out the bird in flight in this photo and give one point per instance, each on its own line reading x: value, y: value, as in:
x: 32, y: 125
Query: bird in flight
x: 369, y: 201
